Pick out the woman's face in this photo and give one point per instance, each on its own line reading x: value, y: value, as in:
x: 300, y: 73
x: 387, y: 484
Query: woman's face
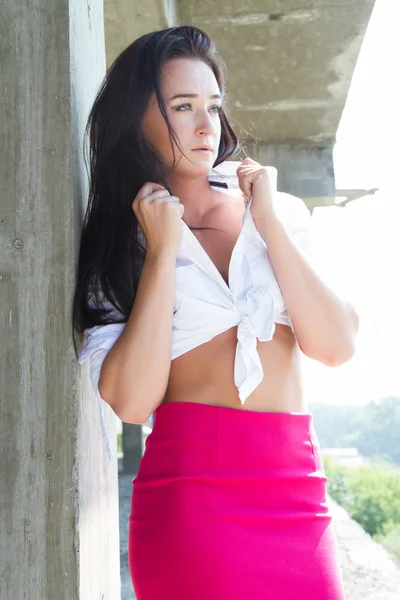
x: 193, y: 99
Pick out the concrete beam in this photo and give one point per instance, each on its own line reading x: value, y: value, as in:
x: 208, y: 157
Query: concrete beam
x: 125, y: 21
x: 289, y: 63
x: 304, y: 169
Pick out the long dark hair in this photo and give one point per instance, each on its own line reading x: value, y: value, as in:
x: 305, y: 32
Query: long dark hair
x: 111, y: 254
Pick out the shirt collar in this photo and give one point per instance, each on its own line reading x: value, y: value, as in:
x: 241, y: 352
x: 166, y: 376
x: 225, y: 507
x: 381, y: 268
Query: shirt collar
x: 225, y: 175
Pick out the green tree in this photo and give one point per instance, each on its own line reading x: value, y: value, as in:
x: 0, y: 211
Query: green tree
x: 374, y: 499
x: 338, y: 487
x: 377, y: 427
x: 372, y: 428
x: 370, y: 493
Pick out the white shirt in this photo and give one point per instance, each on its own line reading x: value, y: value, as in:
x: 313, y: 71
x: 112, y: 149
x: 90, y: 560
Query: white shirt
x: 206, y: 306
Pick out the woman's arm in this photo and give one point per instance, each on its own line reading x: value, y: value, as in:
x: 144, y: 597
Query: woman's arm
x: 135, y: 372
x: 325, y: 324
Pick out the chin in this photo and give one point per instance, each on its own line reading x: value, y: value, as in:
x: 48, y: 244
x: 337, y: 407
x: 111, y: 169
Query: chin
x: 195, y: 168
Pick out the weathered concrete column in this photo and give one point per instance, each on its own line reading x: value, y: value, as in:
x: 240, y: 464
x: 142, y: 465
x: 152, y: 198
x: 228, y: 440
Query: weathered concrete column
x: 132, y: 442
x: 59, y: 499
x: 305, y: 169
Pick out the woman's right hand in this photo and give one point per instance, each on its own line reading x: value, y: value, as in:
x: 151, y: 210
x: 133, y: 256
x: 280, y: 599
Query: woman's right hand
x: 159, y: 215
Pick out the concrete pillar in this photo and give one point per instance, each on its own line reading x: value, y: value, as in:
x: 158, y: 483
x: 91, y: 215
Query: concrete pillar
x: 305, y: 169
x: 132, y: 444
x: 59, y: 496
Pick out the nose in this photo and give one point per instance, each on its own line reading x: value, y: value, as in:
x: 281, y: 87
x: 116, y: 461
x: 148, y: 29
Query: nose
x: 205, y: 124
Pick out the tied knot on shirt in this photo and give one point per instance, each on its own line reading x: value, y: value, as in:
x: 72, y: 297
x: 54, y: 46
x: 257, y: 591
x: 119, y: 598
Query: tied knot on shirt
x: 256, y: 311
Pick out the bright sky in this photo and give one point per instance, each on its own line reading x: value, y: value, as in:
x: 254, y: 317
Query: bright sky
x: 359, y: 246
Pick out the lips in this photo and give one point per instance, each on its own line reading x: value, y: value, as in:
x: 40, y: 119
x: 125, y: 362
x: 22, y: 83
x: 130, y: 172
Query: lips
x: 203, y: 149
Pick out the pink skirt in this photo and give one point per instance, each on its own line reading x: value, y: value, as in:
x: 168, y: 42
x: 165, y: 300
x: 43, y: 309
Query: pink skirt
x: 231, y: 504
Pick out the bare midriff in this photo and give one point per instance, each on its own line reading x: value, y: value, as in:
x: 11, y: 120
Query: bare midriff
x: 205, y: 374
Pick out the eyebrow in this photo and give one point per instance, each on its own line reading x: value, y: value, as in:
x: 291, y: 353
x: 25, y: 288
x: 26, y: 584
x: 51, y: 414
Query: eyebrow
x: 214, y: 96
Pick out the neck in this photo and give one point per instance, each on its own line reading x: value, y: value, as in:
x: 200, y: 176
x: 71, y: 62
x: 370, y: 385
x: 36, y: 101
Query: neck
x: 196, y: 195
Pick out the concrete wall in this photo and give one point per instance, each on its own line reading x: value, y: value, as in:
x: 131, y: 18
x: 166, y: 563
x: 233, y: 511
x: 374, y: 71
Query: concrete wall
x: 125, y: 21
x: 305, y: 169
x: 59, y: 519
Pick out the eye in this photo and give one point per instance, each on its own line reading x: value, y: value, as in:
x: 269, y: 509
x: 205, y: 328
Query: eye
x: 183, y: 106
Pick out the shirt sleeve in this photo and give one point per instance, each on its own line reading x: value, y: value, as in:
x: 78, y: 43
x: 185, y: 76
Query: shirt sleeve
x: 99, y: 341
x: 297, y: 220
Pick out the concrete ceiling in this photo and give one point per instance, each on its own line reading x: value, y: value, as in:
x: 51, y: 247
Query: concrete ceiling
x: 289, y: 62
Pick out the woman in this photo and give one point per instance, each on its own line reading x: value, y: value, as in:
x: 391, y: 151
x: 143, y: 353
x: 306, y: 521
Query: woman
x: 184, y: 249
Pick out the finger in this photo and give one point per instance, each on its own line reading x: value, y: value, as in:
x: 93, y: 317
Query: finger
x: 243, y: 183
x: 247, y: 190
x: 149, y: 188
x: 247, y: 162
x: 245, y: 187
x: 244, y: 170
x: 172, y: 199
x: 158, y: 195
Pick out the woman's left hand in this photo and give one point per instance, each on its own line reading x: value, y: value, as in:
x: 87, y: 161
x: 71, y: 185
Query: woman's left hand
x: 260, y: 183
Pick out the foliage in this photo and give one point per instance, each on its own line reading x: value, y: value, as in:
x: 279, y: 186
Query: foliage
x: 374, y: 498
x: 338, y: 487
x: 371, y: 495
x: 372, y: 428
x: 391, y: 541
